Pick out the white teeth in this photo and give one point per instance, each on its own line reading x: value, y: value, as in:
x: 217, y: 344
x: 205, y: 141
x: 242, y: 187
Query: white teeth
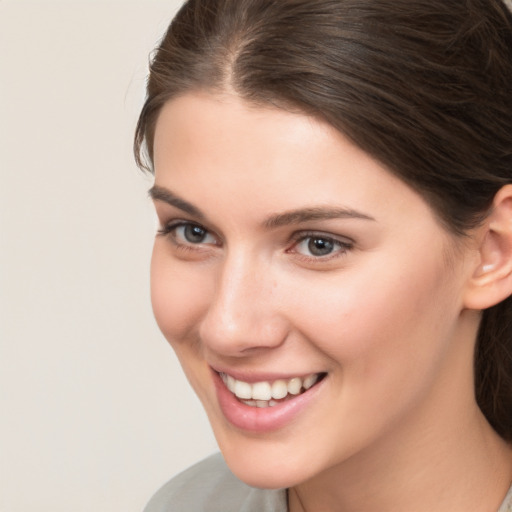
x: 294, y: 386
x: 243, y: 389
x: 309, y: 381
x: 279, y: 389
x: 230, y: 383
x: 261, y: 391
x: 264, y: 394
x: 260, y: 403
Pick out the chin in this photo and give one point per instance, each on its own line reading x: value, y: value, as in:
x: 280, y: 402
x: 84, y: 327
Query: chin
x: 264, y: 469
x: 264, y: 477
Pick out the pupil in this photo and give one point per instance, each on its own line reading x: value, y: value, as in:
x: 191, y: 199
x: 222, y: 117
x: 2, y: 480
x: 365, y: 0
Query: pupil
x: 320, y: 246
x: 194, y: 234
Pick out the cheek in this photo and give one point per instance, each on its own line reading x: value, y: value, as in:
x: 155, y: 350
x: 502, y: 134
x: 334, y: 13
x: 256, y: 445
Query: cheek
x: 385, y: 340
x: 178, y: 296
x: 376, y: 318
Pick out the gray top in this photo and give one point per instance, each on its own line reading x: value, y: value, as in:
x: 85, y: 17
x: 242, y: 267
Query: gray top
x: 209, y: 486
x: 506, y: 506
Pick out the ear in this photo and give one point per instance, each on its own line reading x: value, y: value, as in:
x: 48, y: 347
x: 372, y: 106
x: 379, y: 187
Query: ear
x: 491, y: 281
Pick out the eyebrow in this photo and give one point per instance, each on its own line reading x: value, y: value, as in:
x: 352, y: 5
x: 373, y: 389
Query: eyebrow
x: 298, y: 216
x: 314, y: 213
x: 162, y: 194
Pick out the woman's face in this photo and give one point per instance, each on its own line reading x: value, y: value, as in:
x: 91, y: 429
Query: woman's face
x: 286, y: 256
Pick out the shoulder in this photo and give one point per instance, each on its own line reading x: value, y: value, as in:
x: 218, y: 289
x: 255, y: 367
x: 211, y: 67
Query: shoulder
x: 210, y: 486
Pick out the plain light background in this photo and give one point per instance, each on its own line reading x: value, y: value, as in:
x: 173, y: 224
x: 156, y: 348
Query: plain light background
x: 95, y: 414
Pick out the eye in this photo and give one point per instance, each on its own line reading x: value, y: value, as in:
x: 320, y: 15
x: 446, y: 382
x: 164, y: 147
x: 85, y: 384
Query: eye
x: 194, y: 234
x: 188, y: 233
x: 320, y: 246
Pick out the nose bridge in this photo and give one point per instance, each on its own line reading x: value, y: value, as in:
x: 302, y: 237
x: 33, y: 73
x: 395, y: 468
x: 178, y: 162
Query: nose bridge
x: 242, y: 314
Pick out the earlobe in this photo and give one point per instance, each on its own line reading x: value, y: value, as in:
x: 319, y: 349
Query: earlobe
x: 491, y: 281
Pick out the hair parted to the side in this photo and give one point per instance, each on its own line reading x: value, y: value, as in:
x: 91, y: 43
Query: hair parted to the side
x: 424, y: 86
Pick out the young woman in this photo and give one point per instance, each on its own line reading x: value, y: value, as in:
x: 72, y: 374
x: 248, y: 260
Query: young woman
x: 333, y: 180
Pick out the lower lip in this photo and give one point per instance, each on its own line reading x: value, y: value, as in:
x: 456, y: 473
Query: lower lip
x: 262, y: 419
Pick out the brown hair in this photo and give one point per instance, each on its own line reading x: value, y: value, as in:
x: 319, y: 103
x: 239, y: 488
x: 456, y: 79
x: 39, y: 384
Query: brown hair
x: 424, y: 86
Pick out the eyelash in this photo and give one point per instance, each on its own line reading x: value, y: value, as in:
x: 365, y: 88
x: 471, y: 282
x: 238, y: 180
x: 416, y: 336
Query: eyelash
x: 169, y: 230
x: 341, y: 247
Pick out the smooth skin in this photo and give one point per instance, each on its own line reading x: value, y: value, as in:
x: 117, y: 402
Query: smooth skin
x: 379, y: 296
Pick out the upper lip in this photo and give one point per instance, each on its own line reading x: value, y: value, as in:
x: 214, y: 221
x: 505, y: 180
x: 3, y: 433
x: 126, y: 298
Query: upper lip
x: 253, y: 376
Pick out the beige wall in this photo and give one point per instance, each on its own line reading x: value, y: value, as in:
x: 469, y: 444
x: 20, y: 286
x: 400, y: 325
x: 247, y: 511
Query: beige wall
x: 94, y: 411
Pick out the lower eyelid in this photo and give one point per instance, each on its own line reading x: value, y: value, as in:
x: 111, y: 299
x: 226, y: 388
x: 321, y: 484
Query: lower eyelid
x: 170, y: 229
x: 340, y: 248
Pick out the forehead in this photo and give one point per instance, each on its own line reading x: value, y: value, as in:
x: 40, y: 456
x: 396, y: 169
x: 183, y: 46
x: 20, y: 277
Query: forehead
x: 227, y: 126
x: 212, y: 149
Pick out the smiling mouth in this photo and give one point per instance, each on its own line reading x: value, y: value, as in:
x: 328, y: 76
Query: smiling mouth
x: 269, y: 394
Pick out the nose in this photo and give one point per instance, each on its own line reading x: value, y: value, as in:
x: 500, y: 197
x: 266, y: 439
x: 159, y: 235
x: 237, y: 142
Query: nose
x: 245, y: 314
